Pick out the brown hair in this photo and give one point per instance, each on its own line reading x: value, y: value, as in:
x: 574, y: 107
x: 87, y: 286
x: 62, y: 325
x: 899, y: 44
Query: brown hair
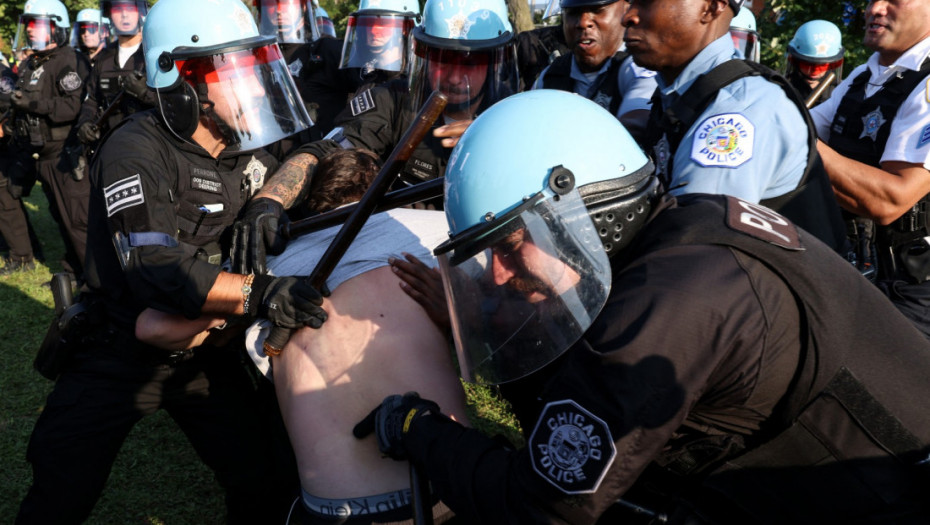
x: 342, y: 177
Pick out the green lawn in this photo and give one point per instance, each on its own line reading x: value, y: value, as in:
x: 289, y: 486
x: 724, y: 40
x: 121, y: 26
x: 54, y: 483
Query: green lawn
x: 157, y: 478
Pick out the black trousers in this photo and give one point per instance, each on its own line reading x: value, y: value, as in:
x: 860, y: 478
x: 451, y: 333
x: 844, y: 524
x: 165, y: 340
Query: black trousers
x: 14, y: 224
x: 68, y: 201
x: 230, y: 419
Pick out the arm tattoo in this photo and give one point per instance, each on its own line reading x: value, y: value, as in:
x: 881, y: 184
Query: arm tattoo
x: 291, y: 183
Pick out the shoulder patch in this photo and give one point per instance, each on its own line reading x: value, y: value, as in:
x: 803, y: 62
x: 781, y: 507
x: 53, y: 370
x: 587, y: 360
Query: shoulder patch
x: 71, y: 81
x: 762, y: 223
x: 362, y: 103
x: 295, y: 67
x: 571, y: 448
x: 7, y: 85
x: 123, y: 194
x: 723, y: 141
x: 924, y: 137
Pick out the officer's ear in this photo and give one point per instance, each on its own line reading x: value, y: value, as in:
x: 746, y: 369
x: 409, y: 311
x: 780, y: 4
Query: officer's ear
x: 717, y: 10
x: 180, y: 109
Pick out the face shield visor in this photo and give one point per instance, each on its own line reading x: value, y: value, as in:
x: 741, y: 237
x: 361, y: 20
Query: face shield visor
x: 747, y: 42
x: 553, y: 9
x: 246, y: 96
x: 287, y: 20
x: 35, y: 33
x: 471, y: 79
x: 812, y: 71
x: 522, y: 289
x: 125, y: 17
x: 87, y: 35
x: 326, y: 27
x: 377, y: 41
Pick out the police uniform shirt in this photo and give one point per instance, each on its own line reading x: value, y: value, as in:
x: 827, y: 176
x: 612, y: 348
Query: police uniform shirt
x: 103, y: 84
x: 750, y: 142
x: 911, y: 125
x: 166, y: 207
x: 636, y: 85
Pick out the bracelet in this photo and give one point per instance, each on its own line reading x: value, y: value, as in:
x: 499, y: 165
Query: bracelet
x: 247, y: 292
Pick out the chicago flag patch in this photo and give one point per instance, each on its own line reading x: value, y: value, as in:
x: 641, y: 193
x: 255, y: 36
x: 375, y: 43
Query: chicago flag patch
x: 123, y: 194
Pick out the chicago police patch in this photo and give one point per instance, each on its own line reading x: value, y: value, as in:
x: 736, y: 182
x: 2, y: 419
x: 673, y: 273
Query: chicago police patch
x: 723, y: 141
x: 571, y: 448
x: 70, y: 81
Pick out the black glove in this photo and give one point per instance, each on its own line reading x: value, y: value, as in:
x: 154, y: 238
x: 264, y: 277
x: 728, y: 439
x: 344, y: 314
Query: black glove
x: 392, y: 420
x: 288, y: 302
x: 256, y: 234
x: 26, y: 101
x: 134, y: 85
x: 88, y: 133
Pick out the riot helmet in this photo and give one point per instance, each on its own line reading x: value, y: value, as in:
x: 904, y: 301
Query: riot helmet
x: 42, y: 24
x: 467, y: 51
x: 126, y: 16
x: 212, y: 67
x: 88, y: 32
x: 744, y: 34
x: 289, y: 21
x: 377, y: 35
x: 323, y: 22
x: 534, y: 217
x: 815, y: 50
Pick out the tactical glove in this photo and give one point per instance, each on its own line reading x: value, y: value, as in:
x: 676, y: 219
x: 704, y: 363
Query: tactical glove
x: 288, y: 302
x: 256, y: 234
x: 134, y: 85
x: 392, y: 421
x: 88, y: 133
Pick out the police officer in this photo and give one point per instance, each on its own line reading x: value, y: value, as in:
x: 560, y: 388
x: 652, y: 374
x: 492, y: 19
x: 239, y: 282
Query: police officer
x: 88, y: 34
x: 45, y: 105
x: 596, y: 68
x: 538, y: 47
x: 874, y: 131
x: 724, y: 125
x: 815, y: 51
x: 702, y: 358
x: 14, y: 223
x: 745, y: 36
x: 462, y: 50
x: 323, y: 22
x: 118, y: 77
x: 167, y: 186
x: 377, y: 42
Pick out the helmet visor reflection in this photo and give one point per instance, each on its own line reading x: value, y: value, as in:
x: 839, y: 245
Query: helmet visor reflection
x: 377, y: 42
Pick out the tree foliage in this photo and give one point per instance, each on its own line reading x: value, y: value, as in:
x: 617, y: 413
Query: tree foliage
x: 779, y: 20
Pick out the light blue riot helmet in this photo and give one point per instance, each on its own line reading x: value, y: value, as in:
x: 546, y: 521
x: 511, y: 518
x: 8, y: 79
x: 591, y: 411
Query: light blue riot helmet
x: 534, y: 215
x: 42, y: 23
x: 290, y: 21
x: 745, y: 36
x: 87, y: 32
x: 211, y: 67
x: 467, y: 51
x: 378, y: 36
x: 126, y: 16
x: 324, y: 23
x: 815, y: 49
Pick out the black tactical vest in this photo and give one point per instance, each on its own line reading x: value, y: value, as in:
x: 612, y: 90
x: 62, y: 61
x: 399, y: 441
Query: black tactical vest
x: 860, y: 130
x: 811, y: 205
x: 850, y: 439
x: 607, y: 94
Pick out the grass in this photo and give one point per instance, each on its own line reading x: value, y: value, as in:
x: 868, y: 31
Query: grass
x: 157, y: 478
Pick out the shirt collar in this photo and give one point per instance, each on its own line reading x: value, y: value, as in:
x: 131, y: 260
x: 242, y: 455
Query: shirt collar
x: 577, y: 74
x: 912, y: 59
x: 716, y: 53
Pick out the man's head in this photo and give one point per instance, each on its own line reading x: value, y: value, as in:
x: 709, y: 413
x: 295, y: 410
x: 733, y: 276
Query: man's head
x: 592, y: 30
x: 323, y: 22
x: 534, y: 216
x: 44, y: 25
x: 126, y: 16
x: 815, y: 50
x: 342, y: 177
x: 664, y: 35
x: 377, y: 35
x: 211, y: 70
x: 290, y: 21
x: 87, y: 33
x: 466, y: 51
x: 894, y: 26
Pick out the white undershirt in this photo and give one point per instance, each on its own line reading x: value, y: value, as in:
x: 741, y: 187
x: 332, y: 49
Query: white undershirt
x: 126, y: 52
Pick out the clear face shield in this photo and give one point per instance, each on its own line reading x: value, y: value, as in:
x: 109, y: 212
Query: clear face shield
x: 246, y: 96
x: 812, y: 72
x: 87, y: 35
x: 525, y: 288
x: 553, y: 10
x: 289, y: 21
x: 377, y: 41
x: 326, y: 27
x: 471, y: 79
x: 125, y: 17
x: 747, y: 42
x: 36, y: 34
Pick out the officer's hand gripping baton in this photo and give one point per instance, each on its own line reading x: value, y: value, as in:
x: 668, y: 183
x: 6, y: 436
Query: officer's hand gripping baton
x: 365, y: 207
x: 821, y: 87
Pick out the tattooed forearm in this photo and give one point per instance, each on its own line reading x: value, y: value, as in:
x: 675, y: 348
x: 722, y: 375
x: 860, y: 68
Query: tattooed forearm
x: 291, y: 183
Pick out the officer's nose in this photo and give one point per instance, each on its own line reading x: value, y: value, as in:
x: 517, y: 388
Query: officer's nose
x: 503, y: 267
x: 250, y: 87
